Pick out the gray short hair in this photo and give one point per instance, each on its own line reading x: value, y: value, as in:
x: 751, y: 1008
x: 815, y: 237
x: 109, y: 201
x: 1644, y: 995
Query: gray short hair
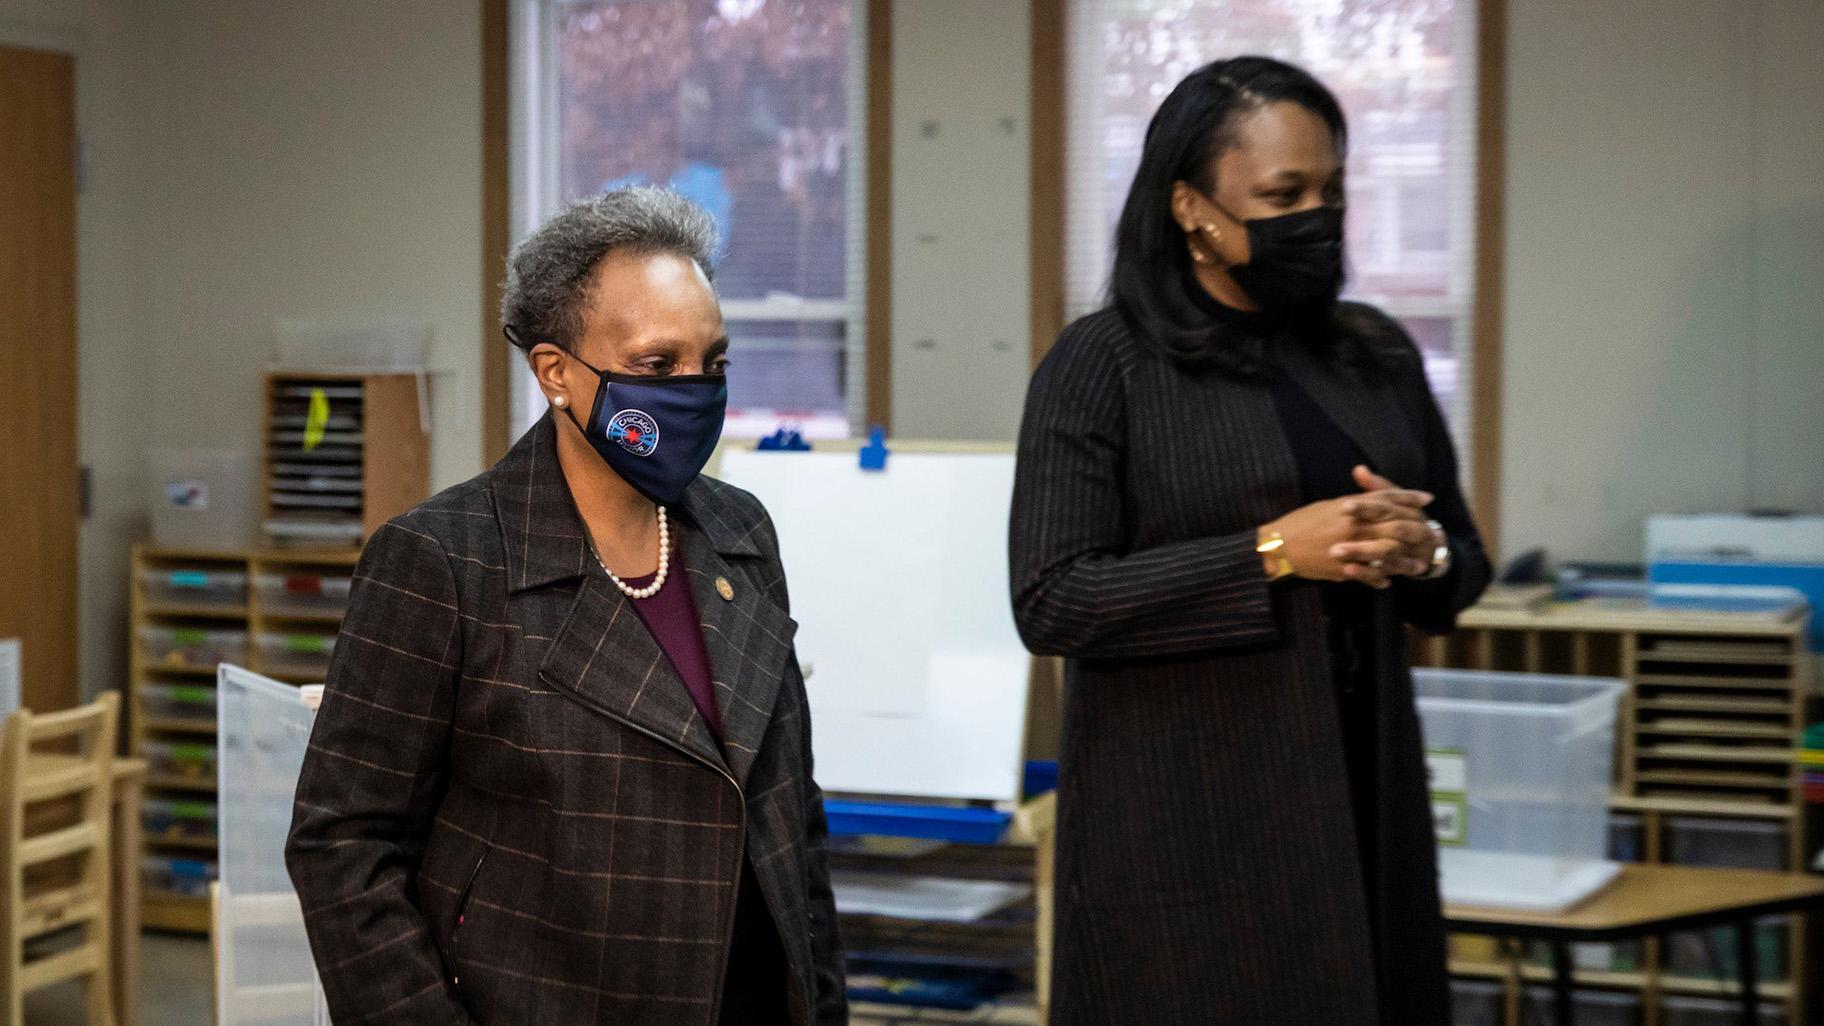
x: 548, y: 274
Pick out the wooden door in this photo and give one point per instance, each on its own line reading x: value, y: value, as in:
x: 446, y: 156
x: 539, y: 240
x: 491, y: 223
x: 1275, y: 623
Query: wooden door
x: 38, y: 471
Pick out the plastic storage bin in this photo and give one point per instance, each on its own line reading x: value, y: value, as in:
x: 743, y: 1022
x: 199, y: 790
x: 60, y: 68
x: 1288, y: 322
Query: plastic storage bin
x: 168, y: 820
x: 188, y: 877
x: 178, y: 701
x: 297, y: 654
x: 1730, y: 844
x: 194, y: 586
x: 1702, y: 1011
x: 1519, y: 769
x: 191, y: 647
x: 203, y: 498
x: 1589, y: 1008
x: 180, y: 761
x: 303, y: 593
x: 1475, y: 1003
x: 267, y: 971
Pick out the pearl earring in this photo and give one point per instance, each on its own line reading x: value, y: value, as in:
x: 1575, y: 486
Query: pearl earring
x: 559, y: 401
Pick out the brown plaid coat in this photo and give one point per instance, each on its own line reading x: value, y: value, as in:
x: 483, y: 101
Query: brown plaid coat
x: 511, y: 812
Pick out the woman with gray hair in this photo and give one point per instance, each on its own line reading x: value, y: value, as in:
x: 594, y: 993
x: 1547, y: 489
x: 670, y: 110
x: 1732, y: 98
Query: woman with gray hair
x: 562, y: 768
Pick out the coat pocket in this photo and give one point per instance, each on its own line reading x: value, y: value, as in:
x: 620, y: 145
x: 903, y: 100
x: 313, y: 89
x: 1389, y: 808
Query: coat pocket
x: 461, y: 918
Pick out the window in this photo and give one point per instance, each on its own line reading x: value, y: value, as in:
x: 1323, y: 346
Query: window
x: 753, y: 108
x: 1405, y: 72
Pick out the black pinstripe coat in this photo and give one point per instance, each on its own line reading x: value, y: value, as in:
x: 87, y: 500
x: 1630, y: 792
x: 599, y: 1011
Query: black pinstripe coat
x: 1207, y: 865
x: 511, y: 811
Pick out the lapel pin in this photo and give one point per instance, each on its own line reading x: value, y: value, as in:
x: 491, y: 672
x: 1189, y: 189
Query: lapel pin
x: 725, y: 589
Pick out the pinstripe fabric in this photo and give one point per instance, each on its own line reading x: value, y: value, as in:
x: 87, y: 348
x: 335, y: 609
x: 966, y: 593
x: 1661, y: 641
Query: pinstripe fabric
x: 1207, y: 866
x: 511, y: 810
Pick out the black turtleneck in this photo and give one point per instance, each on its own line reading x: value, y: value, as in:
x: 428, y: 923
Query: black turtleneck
x: 1326, y: 458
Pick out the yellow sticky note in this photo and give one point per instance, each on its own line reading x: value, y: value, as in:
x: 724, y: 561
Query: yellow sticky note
x: 315, y: 419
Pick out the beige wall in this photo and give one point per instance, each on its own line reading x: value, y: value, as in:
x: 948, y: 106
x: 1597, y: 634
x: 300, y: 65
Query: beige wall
x: 1665, y: 266
x: 250, y: 161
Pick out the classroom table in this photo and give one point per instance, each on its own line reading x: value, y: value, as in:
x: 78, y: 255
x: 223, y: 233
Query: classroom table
x: 1653, y: 899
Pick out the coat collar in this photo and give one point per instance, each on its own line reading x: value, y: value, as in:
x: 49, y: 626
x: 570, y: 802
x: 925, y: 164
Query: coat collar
x: 543, y: 534
x: 604, y: 658
x: 1371, y: 414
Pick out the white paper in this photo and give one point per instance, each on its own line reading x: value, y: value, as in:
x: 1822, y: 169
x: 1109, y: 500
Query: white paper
x: 10, y: 657
x: 898, y: 581
x: 927, y: 898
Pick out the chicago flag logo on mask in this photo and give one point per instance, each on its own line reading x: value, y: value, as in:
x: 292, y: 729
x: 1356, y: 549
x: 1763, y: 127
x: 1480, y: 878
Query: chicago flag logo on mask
x: 635, y: 431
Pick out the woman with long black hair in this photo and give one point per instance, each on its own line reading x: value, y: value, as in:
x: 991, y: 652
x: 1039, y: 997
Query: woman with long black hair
x: 1207, y: 525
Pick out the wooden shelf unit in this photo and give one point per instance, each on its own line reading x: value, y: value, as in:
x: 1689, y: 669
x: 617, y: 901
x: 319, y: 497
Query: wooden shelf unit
x: 252, y: 616
x: 371, y: 463
x: 1708, y: 724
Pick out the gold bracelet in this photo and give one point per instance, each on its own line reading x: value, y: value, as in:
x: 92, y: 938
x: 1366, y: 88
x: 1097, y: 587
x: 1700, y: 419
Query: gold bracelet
x: 1272, y: 549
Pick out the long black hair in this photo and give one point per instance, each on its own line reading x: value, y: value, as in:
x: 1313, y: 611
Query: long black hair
x: 1195, y: 125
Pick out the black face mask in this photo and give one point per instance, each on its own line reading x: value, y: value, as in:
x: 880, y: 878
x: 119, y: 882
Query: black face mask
x: 655, y: 432
x: 1295, y: 261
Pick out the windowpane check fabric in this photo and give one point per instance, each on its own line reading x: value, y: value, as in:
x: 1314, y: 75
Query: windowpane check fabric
x: 511, y: 811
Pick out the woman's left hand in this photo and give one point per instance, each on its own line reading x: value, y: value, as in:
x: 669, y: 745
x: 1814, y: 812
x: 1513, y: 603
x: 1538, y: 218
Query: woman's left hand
x: 1388, y: 547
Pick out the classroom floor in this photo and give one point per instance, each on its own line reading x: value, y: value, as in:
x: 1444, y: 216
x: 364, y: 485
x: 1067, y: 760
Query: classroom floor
x: 175, y: 977
x: 174, y: 980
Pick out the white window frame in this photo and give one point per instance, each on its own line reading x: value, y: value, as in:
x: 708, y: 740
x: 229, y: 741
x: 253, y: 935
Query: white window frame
x: 535, y: 193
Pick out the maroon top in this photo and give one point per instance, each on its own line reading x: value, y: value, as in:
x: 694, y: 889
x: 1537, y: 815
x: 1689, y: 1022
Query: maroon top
x: 671, y: 616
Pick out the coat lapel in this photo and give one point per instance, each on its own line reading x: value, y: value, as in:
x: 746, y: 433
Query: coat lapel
x: 747, y: 635
x: 1368, y: 413
x: 603, y: 657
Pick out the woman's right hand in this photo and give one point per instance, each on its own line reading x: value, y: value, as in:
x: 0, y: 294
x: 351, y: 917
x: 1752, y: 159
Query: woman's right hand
x: 1312, y: 531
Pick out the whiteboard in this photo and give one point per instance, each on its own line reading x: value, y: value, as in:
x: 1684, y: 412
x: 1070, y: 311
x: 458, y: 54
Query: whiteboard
x: 898, y: 580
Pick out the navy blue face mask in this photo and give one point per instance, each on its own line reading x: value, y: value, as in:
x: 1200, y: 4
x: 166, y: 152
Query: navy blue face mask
x: 657, y: 433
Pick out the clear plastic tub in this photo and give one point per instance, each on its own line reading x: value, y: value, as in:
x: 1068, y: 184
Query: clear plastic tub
x: 1519, y: 769
x: 194, y: 586
x: 297, y: 653
x: 1675, y: 1010
x: 1475, y: 1003
x: 1589, y: 1008
x: 259, y: 929
x: 191, y: 647
x: 179, y: 761
x: 303, y: 593
x: 178, y: 701
x: 188, y: 877
x: 166, y: 819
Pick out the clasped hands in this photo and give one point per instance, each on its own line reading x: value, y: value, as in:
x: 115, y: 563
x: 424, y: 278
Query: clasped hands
x: 1371, y: 537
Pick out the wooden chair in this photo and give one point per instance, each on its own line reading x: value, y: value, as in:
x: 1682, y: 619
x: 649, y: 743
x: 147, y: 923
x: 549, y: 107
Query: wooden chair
x: 56, y: 788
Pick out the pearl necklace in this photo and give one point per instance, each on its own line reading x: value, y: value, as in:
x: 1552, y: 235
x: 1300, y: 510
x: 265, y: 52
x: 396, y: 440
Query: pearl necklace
x: 658, y: 579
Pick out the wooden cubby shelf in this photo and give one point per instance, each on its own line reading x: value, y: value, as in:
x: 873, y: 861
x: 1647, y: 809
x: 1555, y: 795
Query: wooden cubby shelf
x: 272, y: 611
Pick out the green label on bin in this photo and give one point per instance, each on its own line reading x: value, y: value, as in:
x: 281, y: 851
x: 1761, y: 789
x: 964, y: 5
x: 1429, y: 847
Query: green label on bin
x: 192, y: 810
x: 1447, y: 769
x: 187, y: 636
x: 193, y: 696
x: 316, y: 644
x: 192, y: 753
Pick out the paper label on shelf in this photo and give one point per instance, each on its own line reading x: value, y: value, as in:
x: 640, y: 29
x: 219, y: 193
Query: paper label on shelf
x: 187, y: 493
x: 1448, y: 772
x: 9, y: 677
